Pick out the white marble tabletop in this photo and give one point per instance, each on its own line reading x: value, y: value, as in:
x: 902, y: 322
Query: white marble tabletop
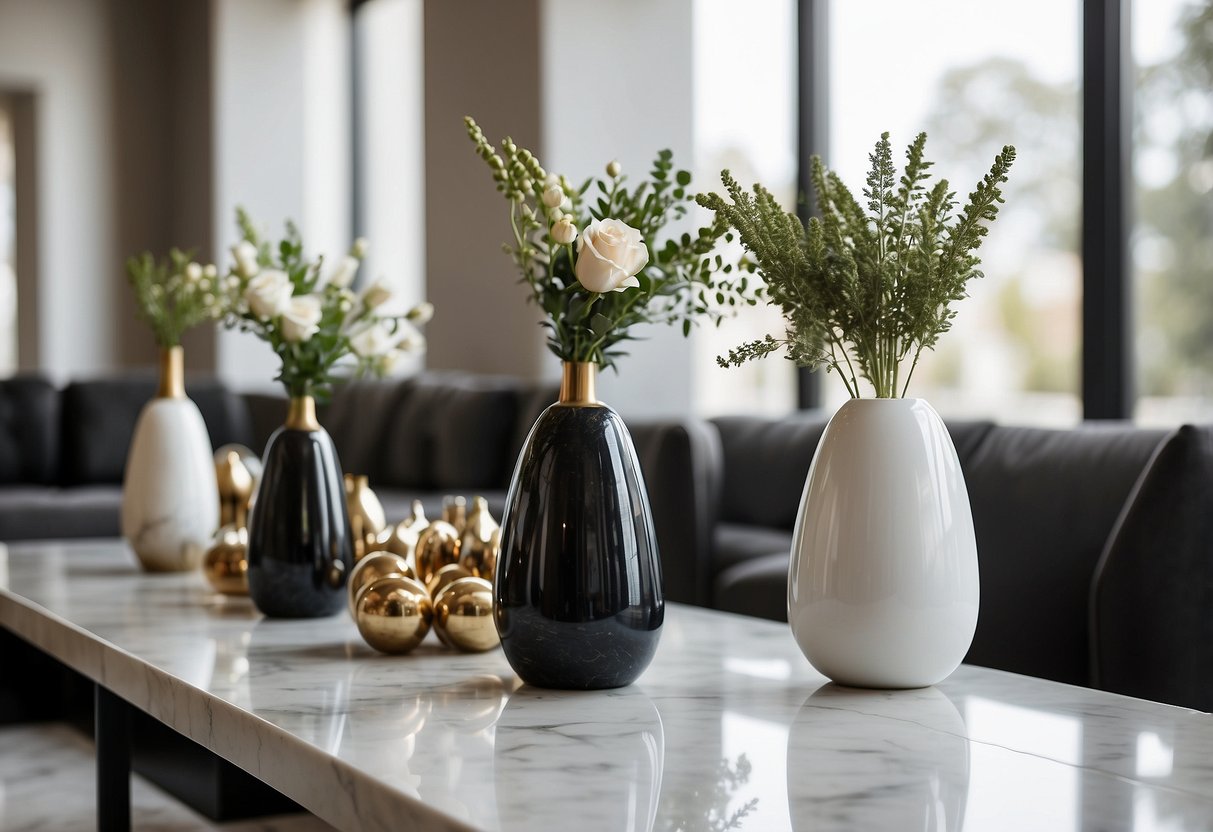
x: 730, y: 728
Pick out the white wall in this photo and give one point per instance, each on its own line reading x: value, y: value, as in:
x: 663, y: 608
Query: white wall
x: 618, y: 84
x: 60, y: 51
x: 281, y: 83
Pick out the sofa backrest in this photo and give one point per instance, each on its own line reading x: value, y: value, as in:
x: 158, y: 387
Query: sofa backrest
x: 767, y: 460
x: 432, y: 431
x: 1045, y: 503
x: 97, y: 421
x: 29, y: 431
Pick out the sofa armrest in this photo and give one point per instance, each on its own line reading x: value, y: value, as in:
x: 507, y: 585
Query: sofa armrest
x: 682, y: 466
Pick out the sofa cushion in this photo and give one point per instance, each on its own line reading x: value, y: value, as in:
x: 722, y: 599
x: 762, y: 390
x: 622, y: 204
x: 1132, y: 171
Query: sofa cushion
x: 31, y: 512
x: 451, y: 431
x: 29, y: 431
x: 766, y: 462
x: 765, y: 465
x: 1152, y: 596
x: 758, y: 587
x: 736, y: 543
x: 358, y: 419
x: 1044, y: 503
x: 98, y: 421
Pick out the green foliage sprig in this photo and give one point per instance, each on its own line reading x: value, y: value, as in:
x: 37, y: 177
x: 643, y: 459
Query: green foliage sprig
x: 174, y: 295
x: 863, y: 292
x: 677, y: 282
x: 317, y: 325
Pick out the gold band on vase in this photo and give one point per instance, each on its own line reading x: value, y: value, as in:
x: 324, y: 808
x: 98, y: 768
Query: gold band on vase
x: 301, y: 415
x: 172, y: 373
x: 578, y: 384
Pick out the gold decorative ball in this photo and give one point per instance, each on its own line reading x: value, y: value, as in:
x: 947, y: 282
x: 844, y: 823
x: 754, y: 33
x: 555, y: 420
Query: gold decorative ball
x: 445, y: 576
x: 463, y: 615
x: 393, y: 614
x: 374, y: 567
x: 226, y: 562
x: 437, y: 546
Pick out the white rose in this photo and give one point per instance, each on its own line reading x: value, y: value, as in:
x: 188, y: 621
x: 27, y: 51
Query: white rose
x: 301, y: 320
x: 246, y: 259
x: 376, y: 294
x: 343, y: 274
x: 421, y: 314
x: 609, y: 255
x: 564, y: 232
x: 269, y: 293
x: 372, y: 340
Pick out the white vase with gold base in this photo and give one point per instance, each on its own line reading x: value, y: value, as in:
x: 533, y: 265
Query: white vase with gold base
x: 170, y: 500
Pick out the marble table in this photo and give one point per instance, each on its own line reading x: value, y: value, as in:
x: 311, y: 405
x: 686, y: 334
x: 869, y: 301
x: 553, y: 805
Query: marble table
x: 730, y: 728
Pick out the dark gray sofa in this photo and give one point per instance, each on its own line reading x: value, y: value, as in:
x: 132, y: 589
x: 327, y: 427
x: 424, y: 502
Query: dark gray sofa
x: 1095, y: 545
x: 62, y: 452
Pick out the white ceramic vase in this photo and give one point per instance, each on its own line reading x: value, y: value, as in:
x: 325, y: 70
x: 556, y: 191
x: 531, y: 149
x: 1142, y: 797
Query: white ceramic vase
x: 170, y: 500
x: 883, y: 586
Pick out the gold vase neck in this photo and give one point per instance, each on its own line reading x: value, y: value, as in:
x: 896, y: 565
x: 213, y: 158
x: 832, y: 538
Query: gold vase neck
x: 578, y: 384
x: 172, y: 373
x: 301, y: 415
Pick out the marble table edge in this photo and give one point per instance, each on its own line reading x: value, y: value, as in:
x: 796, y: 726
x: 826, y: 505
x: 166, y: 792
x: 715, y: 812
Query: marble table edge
x: 176, y: 703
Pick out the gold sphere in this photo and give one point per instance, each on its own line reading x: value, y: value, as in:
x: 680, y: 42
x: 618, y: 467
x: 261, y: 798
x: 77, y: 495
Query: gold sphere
x: 437, y: 546
x: 463, y: 615
x: 374, y: 567
x: 393, y: 614
x: 445, y: 576
x: 226, y: 562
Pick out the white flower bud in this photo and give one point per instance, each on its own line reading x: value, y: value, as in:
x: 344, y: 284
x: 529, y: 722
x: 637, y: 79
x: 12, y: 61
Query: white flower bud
x: 564, y: 232
x: 343, y: 274
x: 550, y: 180
x: 376, y: 294
x: 204, y: 285
x: 193, y: 272
x: 553, y: 196
x: 360, y: 247
x: 209, y: 271
x: 613, y: 169
x: 246, y: 259
x: 421, y: 314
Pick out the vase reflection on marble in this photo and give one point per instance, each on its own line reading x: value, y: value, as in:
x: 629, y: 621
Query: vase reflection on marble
x: 300, y: 550
x: 578, y: 594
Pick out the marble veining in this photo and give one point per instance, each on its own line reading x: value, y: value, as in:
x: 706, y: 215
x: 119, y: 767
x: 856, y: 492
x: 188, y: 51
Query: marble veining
x: 728, y: 728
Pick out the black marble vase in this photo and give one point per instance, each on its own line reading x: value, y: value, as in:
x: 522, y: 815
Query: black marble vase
x: 300, y: 550
x: 578, y: 594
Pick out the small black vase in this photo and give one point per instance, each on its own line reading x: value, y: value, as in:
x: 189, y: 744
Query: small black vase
x: 300, y: 550
x: 579, y: 601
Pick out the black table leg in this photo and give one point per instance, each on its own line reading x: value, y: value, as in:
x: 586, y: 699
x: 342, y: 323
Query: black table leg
x: 113, y: 734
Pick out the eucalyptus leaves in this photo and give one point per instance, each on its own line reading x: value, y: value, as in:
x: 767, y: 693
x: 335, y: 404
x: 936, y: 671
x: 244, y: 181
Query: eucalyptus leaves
x: 863, y: 293
x: 588, y: 252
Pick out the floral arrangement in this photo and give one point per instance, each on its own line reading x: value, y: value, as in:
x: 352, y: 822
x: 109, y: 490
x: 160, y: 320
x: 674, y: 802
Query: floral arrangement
x: 590, y: 256
x: 174, y: 295
x: 307, y: 312
x: 862, y: 293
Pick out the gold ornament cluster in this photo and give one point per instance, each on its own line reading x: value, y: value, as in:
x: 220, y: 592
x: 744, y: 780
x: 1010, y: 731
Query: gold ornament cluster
x: 419, y: 574
x: 225, y: 564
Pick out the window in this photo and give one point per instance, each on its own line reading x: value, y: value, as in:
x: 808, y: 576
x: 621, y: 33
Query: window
x: 745, y: 108
x: 1173, y: 189
x: 944, y: 67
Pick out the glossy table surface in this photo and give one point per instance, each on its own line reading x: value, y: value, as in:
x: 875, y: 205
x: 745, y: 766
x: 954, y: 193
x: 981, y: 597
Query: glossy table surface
x: 730, y: 728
